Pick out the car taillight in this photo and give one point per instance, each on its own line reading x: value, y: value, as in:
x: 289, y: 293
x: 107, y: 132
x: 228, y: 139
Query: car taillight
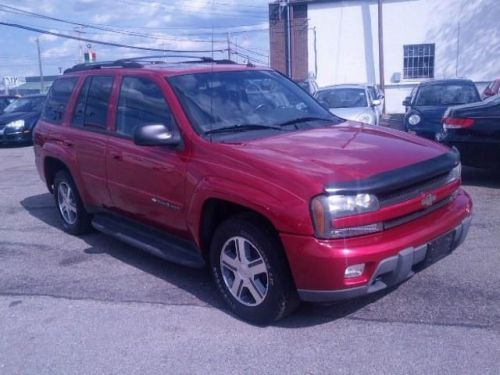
x: 457, y: 123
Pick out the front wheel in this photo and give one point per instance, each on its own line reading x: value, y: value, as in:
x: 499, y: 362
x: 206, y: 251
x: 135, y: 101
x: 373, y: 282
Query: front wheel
x: 250, y: 270
x: 75, y: 218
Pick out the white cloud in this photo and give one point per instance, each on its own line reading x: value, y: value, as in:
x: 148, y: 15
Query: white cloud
x: 102, y: 18
x: 66, y: 49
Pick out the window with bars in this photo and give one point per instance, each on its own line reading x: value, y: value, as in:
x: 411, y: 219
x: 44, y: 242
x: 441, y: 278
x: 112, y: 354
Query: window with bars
x: 418, y: 61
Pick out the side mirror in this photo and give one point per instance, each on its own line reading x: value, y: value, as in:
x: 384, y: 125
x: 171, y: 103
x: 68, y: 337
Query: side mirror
x: 407, y: 101
x: 376, y: 102
x: 156, y: 135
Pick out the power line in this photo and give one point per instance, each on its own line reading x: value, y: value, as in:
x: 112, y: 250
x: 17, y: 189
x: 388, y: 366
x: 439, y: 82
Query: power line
x: 227, y: 28
x: 18, y: 26
x: 249, y: 58
x: 249, y: 50
x: 9, y: 9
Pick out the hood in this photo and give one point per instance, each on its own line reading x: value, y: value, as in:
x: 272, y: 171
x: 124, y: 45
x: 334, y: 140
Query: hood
x: 349, y: 113
x: 29, y: 117
x: 341, y: 153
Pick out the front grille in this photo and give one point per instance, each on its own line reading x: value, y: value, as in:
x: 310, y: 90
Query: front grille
x: 415, y: 215
x: 407, y: 193
x: 414, y: 191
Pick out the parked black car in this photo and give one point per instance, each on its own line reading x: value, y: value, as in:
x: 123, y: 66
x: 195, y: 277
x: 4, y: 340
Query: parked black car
x: 475, y: 130
x: 19, y: 118
x: 429, y: 100
x: 5, y: 100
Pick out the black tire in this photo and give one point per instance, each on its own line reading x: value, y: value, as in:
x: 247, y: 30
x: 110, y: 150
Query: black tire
x: 281, y: 296
x: 81, y: 223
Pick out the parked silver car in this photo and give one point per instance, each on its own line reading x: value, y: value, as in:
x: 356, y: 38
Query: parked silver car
x: 351, y: 102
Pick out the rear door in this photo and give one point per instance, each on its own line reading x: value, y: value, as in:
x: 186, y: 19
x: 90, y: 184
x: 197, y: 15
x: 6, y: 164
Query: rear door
x: 146, y: 182
x: 88, y: 135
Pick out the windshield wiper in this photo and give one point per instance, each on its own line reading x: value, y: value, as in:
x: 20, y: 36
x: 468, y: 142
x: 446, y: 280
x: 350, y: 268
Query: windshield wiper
x: 241, y: 128
x: 305, y: 119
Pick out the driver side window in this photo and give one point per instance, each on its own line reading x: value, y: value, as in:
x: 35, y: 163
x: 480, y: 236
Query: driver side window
x: 141, y: 103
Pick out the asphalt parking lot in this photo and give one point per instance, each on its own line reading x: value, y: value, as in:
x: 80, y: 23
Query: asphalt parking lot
x: 93, y: 305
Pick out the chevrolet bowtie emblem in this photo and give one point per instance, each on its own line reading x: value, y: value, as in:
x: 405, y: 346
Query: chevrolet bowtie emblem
x: 428, y: 200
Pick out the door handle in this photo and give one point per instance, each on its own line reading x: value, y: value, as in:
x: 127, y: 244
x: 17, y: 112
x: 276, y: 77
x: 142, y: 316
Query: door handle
x: 115, y: 155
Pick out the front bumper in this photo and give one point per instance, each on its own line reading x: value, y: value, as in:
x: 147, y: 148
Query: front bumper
x: 390, y: 271
x: 423, y: 129
x: 22, y: 136
x: 389, y: 256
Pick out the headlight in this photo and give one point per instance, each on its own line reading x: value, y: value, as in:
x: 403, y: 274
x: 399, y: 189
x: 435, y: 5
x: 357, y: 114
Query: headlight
x: 366, y: 118
x: 456, y: 173
x: 326, y: 208
x: 16, y: 125
x: 414, y: 119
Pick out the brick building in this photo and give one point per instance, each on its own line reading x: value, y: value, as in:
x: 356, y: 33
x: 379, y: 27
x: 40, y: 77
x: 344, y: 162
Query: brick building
x: 278, y: 38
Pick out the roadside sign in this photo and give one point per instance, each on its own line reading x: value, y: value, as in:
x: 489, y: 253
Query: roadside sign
x: 12, y: 82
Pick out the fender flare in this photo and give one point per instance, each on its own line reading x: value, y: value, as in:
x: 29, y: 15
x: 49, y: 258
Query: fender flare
x: 262, y: 202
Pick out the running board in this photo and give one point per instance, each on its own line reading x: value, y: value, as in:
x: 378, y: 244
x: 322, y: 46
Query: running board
x: 153, y: 241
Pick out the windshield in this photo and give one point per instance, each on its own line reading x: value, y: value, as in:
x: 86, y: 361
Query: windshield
x: 446, y: 94
x: 247, y: 100
x: 25, y: 105
x: 343, y: 98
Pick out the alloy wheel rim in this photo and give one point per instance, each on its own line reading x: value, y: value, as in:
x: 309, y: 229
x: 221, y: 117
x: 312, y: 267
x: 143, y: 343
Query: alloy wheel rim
x: 67, y: 203
x: 244, y: 271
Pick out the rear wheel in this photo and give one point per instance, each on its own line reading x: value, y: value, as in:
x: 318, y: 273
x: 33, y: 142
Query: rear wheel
x: 75, y: 218
x: 250, y: 270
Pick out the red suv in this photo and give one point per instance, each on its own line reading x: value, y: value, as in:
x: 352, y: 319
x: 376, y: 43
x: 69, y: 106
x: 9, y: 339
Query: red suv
x: 236, y: 167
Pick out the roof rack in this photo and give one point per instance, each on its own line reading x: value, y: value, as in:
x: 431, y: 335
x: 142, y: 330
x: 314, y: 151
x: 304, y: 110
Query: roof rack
x: 138, y: 62
x: 102, y: 64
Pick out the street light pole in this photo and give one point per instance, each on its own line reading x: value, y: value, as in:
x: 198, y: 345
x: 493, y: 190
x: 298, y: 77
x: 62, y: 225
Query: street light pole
x: 42, y: 88
x: 381, y: 50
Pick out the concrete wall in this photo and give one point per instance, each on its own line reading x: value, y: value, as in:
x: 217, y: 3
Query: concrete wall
x: 466, y: 34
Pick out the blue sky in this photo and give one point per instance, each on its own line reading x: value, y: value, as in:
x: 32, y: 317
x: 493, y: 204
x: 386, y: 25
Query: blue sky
x: 169, y: 24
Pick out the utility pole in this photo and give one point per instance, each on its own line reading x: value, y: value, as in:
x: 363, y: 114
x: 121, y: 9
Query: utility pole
x: 315, y: 54
x: 381, y: 50
x: 79, y: 31
x: 42, y: 88
x: 236, y: 59
x: 228, y: 47
x: 288, y: 33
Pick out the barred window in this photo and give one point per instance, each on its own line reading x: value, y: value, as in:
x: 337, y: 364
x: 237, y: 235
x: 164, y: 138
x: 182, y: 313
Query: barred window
x: 418, y: 61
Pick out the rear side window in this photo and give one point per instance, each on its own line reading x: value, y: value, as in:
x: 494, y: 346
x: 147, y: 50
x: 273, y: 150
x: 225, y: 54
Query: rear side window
x: 91, y: 109
x: 141, y: 103
x: 58, y: 99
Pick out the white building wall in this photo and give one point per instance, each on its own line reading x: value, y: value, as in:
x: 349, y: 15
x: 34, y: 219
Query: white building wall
x: 466, y: 34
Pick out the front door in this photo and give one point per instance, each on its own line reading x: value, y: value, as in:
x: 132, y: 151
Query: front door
x: 145, y: 182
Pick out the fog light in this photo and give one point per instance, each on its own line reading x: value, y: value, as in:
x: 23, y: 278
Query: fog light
x: 354, y: 271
